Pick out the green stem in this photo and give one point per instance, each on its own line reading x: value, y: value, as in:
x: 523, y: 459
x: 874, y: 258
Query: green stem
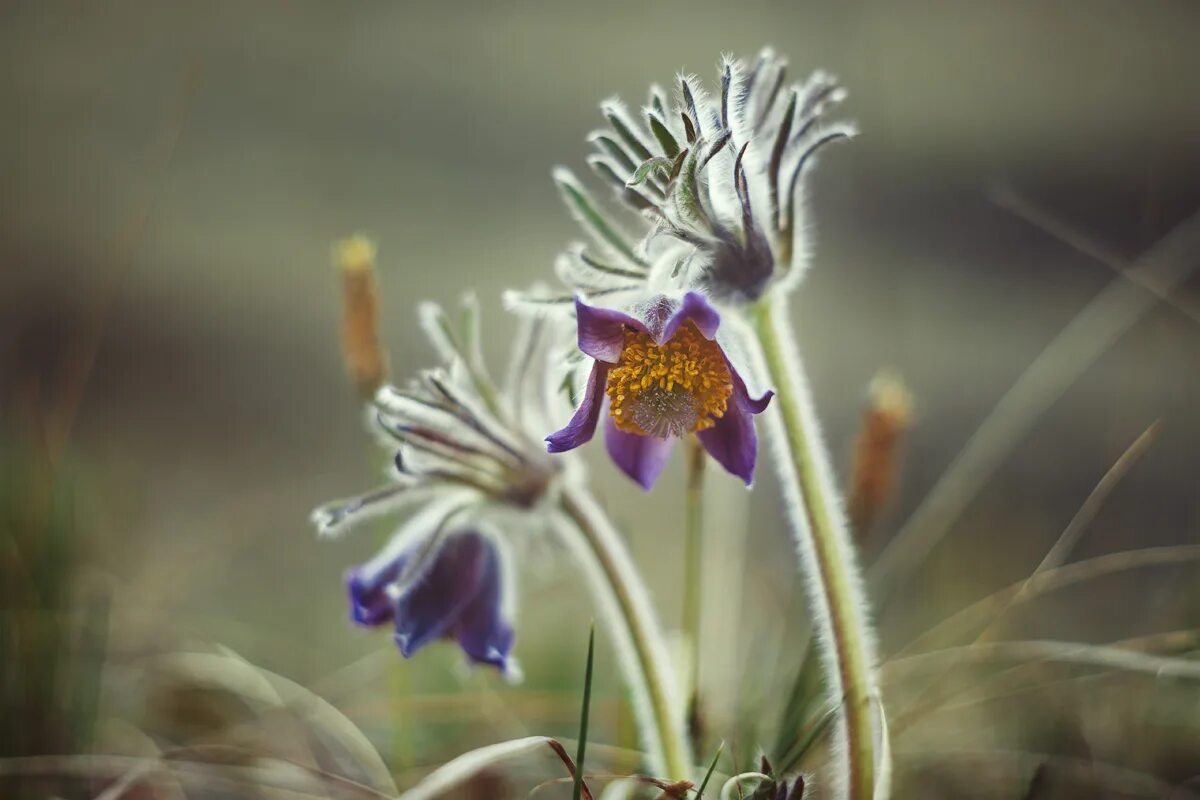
x: 693, y: 567
x: 827, y: 555
x: 639, y: 639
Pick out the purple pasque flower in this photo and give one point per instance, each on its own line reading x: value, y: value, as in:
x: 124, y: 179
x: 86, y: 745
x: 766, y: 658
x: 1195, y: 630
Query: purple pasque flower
x: 660, y: 374
x: 450, y: 589
x: 471, y: 478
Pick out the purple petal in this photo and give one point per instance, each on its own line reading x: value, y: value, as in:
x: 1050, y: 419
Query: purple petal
x: 640, y: 457
x: 432, y: 605
x: 602, y: 331
x: 369, y: 601
x: 695, y: 307
x: 482, y: 632
x: 741, y: 395
x: 582, y: 426
x: 733, y: 442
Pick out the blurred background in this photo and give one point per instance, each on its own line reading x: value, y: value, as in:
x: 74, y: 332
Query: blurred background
x: 173, y: 176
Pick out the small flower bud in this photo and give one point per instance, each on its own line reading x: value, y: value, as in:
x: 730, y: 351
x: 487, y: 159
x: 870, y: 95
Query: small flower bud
x: 884, y: 421
x: 365, y: 358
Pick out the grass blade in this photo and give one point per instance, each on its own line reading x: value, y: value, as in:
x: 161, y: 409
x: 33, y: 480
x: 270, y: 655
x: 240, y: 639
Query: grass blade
x: 577, y: 792
x: 712, y: 766
x: 1078, y: 345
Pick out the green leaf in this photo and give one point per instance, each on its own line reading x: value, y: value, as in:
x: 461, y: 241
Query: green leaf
x: 627, y: 135
x: 685, y: 189
x: 591, y: 217
x: 577, y: 792
x: 614, y: 149
x: 712, y: 766
x: 669, y: 145
x: 647, y: 168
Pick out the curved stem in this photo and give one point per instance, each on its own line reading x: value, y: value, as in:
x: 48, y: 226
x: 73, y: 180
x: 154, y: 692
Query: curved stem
x: 641, y: 645
x: 827, y: 559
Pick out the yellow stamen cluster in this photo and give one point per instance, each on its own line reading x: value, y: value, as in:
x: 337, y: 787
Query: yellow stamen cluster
x: 679, y: 387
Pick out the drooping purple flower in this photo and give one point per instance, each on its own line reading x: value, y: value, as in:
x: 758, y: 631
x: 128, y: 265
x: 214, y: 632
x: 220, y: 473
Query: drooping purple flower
x: 658, y: 375
x: 457, y: 594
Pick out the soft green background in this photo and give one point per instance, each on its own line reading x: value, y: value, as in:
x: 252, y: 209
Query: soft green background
x: 193, y: 163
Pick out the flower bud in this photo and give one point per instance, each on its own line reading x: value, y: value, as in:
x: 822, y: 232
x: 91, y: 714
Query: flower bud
x: 364, y: 356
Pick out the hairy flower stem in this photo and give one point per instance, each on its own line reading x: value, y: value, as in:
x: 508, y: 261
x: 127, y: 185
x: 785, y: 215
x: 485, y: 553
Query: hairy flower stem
x: 827, y: 559
x: 692, y: 579
x: 640, y: 643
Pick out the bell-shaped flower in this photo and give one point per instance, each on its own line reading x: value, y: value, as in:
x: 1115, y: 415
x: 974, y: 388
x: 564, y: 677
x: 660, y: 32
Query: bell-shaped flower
x: 467, y: 458
x: 659, y: 374
x: 453, y: 592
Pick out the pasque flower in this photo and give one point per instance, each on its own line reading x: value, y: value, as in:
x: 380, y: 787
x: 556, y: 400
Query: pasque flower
x: 717, y: 180
x: 468, y: 464
x: 471, y: 470
x: 717, y: 184
x: 661, y: 374
x: 455, y: 594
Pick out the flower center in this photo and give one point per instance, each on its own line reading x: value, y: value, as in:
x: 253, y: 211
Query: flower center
x: 672, y: 389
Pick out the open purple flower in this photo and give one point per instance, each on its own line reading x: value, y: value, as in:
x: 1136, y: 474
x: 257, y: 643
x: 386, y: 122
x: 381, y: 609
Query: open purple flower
x: 456, y: 594
x: 661, y: 375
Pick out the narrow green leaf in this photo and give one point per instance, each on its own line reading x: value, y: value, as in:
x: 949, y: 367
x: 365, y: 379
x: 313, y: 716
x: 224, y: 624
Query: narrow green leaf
x: 785, y: 130
x: 614, y: 149
x: 604, y: 168
x: 806, y: 695
x: 686, y: 195
x: 669, y: 145
x: 712, y: 766
x: 647, y: 168
x: 577, y: 792
x: 587, y: 212
x: 808, y: 737
x: 626, y: 133
x: 658, y: 101
x: 597, y: 264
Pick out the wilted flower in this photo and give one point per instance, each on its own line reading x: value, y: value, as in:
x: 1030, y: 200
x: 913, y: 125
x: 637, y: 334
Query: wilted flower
x: 468, y: 453
x: 661, y: 374
x: 718, y: 181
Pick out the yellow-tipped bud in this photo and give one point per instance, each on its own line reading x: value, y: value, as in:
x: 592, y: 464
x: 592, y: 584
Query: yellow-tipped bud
x: 885, y: 420
x: 366, y: 360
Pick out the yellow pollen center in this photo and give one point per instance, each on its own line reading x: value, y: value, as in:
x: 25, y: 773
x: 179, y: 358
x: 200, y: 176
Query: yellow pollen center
x: 673, y: 389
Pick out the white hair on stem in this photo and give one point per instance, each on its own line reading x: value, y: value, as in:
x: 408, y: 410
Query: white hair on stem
x: 624, y: 604
x: 828, y: 563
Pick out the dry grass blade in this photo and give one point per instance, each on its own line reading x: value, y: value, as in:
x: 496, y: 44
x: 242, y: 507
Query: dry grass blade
x: 1103, y: 773
x: 1087, y: 512
x: 1092, y: 331
x: 1014, y: 682
x: 285, y: 776
x: 1130, y: 656
x: 1063, y: 546
x: 1050, y: 580
x: 1043, y: 219
x: 1092, y: 655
